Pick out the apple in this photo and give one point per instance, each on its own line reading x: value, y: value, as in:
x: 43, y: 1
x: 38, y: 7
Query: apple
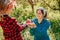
x: 28, y: 21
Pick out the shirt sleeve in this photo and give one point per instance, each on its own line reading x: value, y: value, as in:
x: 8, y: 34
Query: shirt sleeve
x: 19, y: 26
x: 32, y: 29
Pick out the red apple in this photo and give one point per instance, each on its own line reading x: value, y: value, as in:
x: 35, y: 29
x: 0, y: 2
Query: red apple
x: 28, y: 21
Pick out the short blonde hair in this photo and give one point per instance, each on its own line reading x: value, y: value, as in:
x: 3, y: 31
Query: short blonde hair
x: 5, y: 4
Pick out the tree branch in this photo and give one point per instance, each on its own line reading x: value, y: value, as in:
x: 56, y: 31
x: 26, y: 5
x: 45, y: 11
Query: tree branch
x: 50, y: 6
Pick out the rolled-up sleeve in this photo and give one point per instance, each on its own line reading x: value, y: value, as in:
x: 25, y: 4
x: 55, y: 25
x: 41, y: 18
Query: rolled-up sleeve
x: 31, y: 31
x: 19, y: 26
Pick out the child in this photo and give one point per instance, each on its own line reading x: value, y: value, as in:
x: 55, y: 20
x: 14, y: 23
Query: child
x: 11, y: 29
x: 39, y: 25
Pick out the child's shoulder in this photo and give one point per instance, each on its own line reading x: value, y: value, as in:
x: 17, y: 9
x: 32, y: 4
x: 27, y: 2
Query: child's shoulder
x: 13, y: 18
x: 47, y: 21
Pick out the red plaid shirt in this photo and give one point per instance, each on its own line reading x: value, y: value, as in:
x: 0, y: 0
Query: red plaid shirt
x: 11, y: 30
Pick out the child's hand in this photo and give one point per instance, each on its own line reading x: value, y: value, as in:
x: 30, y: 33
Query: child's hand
x: 30, y: 24
x: 28, y: 21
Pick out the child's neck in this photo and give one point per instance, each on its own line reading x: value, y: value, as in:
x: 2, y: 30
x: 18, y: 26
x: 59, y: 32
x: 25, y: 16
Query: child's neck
x: 40, y: 20
x: 1, y: 18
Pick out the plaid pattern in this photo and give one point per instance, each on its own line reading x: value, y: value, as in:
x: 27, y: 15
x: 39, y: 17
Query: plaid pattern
x: 11, y: 30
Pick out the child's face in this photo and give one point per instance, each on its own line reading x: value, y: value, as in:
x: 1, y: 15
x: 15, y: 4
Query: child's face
x: 7, y: 9
x: 39, y: 14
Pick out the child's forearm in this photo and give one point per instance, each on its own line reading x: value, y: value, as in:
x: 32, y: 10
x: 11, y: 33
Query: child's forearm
x: 22, y: 27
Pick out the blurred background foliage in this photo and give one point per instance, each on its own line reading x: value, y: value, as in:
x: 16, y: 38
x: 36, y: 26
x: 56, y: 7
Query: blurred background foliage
x: 26, y: 9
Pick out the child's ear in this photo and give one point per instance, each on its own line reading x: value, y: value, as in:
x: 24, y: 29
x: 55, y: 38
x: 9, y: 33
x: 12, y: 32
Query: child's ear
x: 9, y: 8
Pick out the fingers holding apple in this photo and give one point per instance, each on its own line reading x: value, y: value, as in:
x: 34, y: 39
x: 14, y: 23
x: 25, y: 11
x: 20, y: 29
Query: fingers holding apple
x: 30, y: 24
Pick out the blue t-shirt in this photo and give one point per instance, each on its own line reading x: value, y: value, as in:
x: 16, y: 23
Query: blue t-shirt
x: 40, y: 32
